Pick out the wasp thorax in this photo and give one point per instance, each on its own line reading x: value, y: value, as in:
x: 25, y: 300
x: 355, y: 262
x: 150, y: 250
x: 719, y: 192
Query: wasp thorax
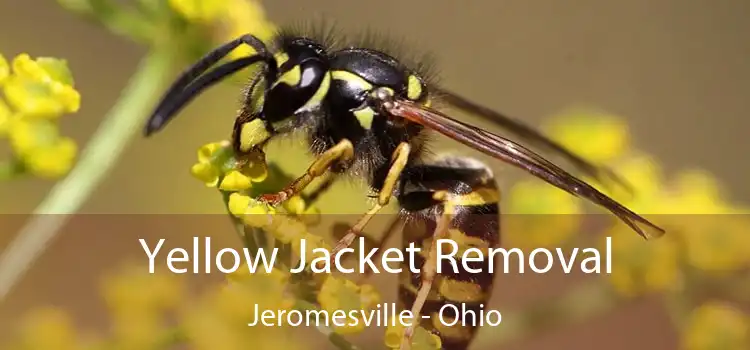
x: 301, y: 83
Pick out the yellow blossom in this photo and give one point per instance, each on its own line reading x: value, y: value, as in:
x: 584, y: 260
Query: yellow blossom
x: 44, y: 69
x: 643, y: 173
x: 242, y: 275
x: 37, y: 92
x: 205, y: 172
x: 134, y: 288
x: 253, y: 213
x: 48, y: 329
x: 640, y: 266
x: 6, y: 116
x: 137, y: 301
x: 716, y: 243
x: 717, y: 326
x: 312, y: 242
x: 343, y: 294
x: 245, y: 17
x: 52, y: 161
x: 287, y: 229
x: 201, y: 11
x: 596, y: 136
x: 697, y: 192
x: 540, y: 215
x: 207, y: 151
x: 215, y: 161
x: 4, y: 69
x: 43, y: 151
x: 235, y: 181
x: 219, y: 320
x: 238, y: 204
x: 42, y: 87
x: 295, y: 205
x: 421, y: 340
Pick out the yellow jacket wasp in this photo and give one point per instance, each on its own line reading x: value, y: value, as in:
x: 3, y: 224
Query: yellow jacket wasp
x: 365, y: 114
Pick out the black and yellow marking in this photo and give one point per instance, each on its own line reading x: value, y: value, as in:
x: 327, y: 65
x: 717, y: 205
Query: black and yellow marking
x: 398, y: 164
x: 456, y: 203
x: 364, y: 113
x: 341, y: 153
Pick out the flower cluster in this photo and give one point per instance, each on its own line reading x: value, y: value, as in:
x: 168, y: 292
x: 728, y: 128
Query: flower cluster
x: 706, y: 234
x: 155, y: 311
x: 242, y: 181
x: 37, y: 92
x: 232, y: 18
x: 702, y: 232
x: 717, y: 325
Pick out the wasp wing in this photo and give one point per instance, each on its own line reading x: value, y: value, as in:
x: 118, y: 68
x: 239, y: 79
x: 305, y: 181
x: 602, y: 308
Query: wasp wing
x: 530, y: 135
x: 517, y: 155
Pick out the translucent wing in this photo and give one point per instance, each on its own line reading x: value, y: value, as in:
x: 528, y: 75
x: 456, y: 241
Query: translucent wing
x: 528, y: 134
x: 519, y: 156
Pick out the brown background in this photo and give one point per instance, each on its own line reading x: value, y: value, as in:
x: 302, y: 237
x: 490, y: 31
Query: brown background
x: 677, y: 70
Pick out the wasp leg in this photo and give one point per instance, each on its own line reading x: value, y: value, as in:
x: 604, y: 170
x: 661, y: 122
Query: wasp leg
x: 429, y: 270
x: 398, y: 163
x: 341, y: 152
x: 380, y: 243
x: 453, y: 198
x: 325, y: 185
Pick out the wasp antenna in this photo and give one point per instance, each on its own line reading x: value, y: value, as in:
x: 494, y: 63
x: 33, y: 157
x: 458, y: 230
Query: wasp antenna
x: 170, y: 107
x: 186, y: 87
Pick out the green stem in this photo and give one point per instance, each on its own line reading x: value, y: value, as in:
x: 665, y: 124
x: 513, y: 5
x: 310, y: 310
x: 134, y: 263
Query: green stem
x: 121, y: 124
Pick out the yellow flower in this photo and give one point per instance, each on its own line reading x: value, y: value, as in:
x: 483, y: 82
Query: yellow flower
x: 284, y: 228
x: 52, y: 161
x: 640, y: 266
x: 219, y: 319
x: 205, y: 172
x: 209, y: 165
x: 202, y: 11
x: 596, y: 136
x: 541, y: 215
x: 6, y: 116
x: 48, y: 329
x: 421, y: 340
x: 697, y: 192
x: 287, y: 229
x: 137, y: 301
x: 295, y: 205
x: 644, y: 174
x: 717, y: 326
x: 215, y: 161
x: 717, y: 243
x: 242, y: 275
x: 244, y: 17
x: 43, y: 151
x: 4, y: 69
x: 42, y: 87
x: 134, y: 288
x: 296, y: 235
x: 235, y: 181
x: 238, y: 204
x: 342, y: 294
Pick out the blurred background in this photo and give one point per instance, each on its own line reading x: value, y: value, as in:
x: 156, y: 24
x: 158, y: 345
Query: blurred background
x: 675, y: 71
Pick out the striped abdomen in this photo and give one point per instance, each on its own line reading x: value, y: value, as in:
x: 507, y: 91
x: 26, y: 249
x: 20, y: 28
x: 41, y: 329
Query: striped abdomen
x: 472, y: 197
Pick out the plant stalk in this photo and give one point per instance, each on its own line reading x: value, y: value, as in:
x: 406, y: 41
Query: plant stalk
x: 119, y: 127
